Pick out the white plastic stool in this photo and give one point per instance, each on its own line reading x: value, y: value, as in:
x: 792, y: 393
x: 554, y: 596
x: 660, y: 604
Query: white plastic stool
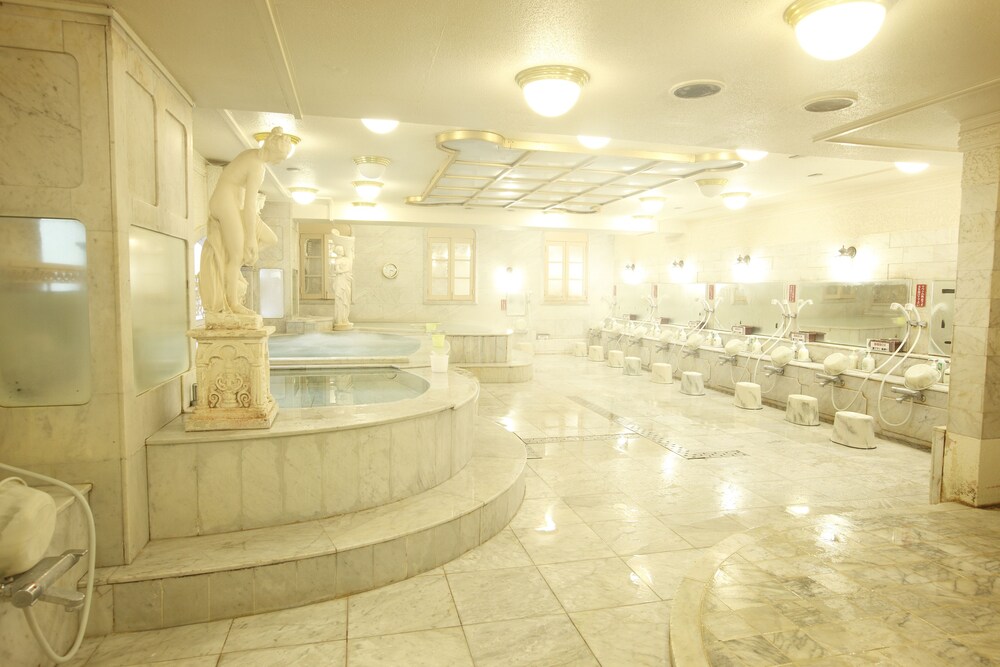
x: 802, y: 410
x: 596, y: 353
x: 663, y: 373
x: 853, y: 429
x: 616, y: 358
x: 747, y: 396
x: 633, y: 366
x: 579, y: 349
x: 692, y: 384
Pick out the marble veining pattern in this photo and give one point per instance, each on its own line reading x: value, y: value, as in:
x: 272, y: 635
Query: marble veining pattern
x: 806, y: 544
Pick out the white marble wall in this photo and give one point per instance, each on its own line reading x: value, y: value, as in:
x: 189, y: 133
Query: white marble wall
x: 138, y: 176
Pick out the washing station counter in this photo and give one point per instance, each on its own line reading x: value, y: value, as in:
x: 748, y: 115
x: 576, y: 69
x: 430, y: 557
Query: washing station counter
x: 313, y: 462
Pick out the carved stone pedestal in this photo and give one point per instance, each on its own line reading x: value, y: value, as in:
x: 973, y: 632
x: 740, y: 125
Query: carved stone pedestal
x: 233, y: 371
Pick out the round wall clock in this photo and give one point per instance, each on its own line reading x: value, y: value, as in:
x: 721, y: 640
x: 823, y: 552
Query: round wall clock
x: 389, y: 270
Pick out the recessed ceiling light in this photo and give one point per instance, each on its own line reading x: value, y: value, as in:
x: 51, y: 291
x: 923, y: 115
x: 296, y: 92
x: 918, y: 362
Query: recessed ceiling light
x: 691, y: 90
x: 911, y: 167
x: 594, y: 143
x: 380, y: 125
x: 367, y: 190
x: 828, y: 103
x: 750, y: 155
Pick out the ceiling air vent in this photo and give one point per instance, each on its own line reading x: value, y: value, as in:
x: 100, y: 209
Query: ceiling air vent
x: 691, y: 90
x: 832, y: 102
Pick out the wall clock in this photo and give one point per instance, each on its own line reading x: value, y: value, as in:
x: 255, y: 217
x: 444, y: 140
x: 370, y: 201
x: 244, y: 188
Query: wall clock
x: 389, y: 270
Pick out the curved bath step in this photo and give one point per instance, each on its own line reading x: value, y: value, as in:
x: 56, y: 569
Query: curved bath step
x: 185, y: 580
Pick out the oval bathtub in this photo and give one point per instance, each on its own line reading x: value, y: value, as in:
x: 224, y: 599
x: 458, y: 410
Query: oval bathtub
x: 314, y: 462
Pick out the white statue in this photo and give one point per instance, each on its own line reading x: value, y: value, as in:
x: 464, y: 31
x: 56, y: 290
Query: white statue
x: 343, y: 281
x: 235, y: 230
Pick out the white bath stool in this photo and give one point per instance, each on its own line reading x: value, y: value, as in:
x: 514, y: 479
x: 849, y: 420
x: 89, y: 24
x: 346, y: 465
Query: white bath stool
x: 579, y: 349
x: 747, y: 396
x: 663, y: 373
x: 853, y: 429
x: 633, y: 366
x: 802, y: 410
x: 692, y: 384
x: 616, y: 358
x: 596, y: 353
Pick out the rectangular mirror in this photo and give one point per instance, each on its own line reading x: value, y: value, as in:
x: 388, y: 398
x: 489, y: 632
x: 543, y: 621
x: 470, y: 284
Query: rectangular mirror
x: 681, y: 303
x: 749, y: 304
x: 853, y: 313
x: 941, y: 316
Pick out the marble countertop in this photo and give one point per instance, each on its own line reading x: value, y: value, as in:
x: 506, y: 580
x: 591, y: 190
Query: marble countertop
x: 446, y: 391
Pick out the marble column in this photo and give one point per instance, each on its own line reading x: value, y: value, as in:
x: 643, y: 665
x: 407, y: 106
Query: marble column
x: 971, y: 471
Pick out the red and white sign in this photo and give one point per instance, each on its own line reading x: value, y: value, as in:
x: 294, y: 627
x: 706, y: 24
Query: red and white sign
x: 791, y: 294
x: 710, y: 292
x: 921, y: 301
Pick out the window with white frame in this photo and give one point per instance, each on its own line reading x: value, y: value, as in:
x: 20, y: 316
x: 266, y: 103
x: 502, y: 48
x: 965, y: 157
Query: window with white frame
x: 565, y: 267
x: 450, y: 265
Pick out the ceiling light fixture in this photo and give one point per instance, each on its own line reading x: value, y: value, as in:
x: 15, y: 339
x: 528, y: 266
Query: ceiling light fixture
x: 372, y: 167
x: 551, y: 90
x: 593, y: 143
x: 911, y: 167
x: 303, y: 195
x: 368, y: 190
x: 651, y: 204
x: 750, y: 155
x: 742, y: 259
x: 835, y: 29
x: 259, y: 137
x: 735, y: 200
x: 380, y: 125
x: 711, y: 187
x: 363, y: 204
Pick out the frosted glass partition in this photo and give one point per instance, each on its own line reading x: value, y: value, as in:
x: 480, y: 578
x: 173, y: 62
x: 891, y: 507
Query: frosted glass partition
x: 941, y: 316
x: 44, y: 319
x: 272, y: 293
x: 749, y: 304
x: 853, y: 313
x: 681, y: 303
x: 158, y: 272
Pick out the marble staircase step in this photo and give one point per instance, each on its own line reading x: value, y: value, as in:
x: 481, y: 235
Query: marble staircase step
x: 185, y: 580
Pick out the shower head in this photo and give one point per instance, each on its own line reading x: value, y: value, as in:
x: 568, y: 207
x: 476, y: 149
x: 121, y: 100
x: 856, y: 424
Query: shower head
x: 897, y: 306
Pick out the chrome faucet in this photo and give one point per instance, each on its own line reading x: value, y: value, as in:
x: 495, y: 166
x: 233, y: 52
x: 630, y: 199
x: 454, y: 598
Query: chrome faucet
x: 774, y: 370
x: 825, y: 379
x: 27, y: 588
x: 907, y: 393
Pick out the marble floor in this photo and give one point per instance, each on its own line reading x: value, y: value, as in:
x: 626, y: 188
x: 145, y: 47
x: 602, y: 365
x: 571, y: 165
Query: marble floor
x: 635, y: 486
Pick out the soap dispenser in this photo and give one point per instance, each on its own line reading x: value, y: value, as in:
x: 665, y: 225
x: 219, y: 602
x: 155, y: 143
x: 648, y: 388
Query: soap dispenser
x: 756, y: 347
x: 853, y: 359
x: 802, y: 354
x: 868, y: 363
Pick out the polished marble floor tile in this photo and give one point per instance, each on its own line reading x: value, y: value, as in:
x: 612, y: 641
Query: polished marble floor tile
x: 137, y: 648
x: 323, y: 622
x: 420, y: 603
x: 542, y: 641
x: 425, y: 648
x: 500, y: 595
x: 325, y: 654
x: 632, y: 636
x: 596, y: 584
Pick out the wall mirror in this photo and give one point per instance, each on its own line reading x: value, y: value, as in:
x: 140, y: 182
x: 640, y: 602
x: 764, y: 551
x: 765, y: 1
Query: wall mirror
x: 749, y: 304
x: 632, y: 300
x: 941, y: 302
x: 681, y: 303
x: 853, y: 313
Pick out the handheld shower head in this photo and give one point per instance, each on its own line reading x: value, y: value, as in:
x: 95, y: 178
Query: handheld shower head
x: 897, y: 306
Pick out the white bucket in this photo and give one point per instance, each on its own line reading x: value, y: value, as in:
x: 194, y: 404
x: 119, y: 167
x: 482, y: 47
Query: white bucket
x: 439, y: 363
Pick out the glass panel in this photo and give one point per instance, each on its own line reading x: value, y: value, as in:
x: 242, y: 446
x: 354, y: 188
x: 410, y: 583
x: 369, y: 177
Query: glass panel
x: 576, y: 288
x: 158, y: 272
x: 555, y: 287
x: 462, y: 269
x: 942, y: 305
x: 555, y: 253
x: 575, y: 252
x: 555, y: 270
x: 199, y: 308
x: 313, y: 285
x: 576, y: 271
x: 439, y: 251
x: 313, y: 267
x: 463, y: 251
x: 439, y: 287
x: 272, y: 293
x: 314, y: 247
x: 463, y: 287
x: 44, y: 320
x: 851, y: 313
x: 439, y: 268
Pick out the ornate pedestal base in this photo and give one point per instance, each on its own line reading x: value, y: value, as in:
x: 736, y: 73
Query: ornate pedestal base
x: 234, y: 376
x: 346, y: 326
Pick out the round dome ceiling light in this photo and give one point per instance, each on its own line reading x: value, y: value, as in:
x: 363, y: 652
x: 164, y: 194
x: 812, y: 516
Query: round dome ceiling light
x: 692, y: 90
x: 372, y: 167
x: 303, y: 196
x: 651, y: 204
x: 380, y: 125
x: 735, y: 200
x: 750, y: 155
x: 551, y: 90
x: 259, y: 137
x: 832, y: 102
x: 367, y: 190
x: 835, y: 29
x: 711, y: 187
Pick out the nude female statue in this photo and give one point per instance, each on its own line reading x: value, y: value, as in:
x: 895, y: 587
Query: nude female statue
x: 235, y: 230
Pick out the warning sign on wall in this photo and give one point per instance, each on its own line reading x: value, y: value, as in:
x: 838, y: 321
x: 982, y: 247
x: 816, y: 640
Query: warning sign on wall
x: 921, y: 301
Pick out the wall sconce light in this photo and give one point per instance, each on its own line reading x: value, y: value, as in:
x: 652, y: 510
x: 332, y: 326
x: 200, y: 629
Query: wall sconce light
x: 911, y: 167
x: 372, y: 167
x: 593, y: 143
x: 367, y: 190
x: 848, y: 252
x: 380, y: 125
x: 259, y: 137
x: 651, y: 204
x: 743, y: 259
x: 678, y: 264
x: 735, y: 200
x: 303, y: 195
x: 711, y: 187
x: 630, y: 267
x: 551, y: 90
x: 835, y: 29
